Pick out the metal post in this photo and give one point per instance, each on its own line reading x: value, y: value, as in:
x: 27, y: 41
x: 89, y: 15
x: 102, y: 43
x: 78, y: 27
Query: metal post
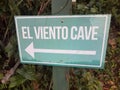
x: 61, y: 7
x: 59, y: 78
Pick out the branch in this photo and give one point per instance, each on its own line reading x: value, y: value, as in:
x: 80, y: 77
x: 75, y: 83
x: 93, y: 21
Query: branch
x: 43, y: 6
x: 10, y: 73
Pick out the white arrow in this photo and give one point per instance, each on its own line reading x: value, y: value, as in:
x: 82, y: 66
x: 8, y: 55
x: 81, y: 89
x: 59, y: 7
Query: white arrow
x: 31, y: 50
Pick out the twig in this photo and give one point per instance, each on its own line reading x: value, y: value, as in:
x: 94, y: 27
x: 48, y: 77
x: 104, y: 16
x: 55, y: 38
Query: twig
x: 10, y: 73
x: 42, y: 7
x: 51, y: 82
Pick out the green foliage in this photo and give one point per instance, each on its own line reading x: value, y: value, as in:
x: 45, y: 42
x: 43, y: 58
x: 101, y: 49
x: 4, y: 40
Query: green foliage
x: 82, y: 79
x: 23, y: 77
x: 88, y: 82
x: 32, y: 77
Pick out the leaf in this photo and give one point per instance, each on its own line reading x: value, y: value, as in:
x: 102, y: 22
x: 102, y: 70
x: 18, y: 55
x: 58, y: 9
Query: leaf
x: 1, y: 75
x: 118, y: 33
x: 11, y: 47
x: 3, y: 86
x: 93, y: 10
x: 113, y: 87
x: 30, y: 75
x: 80, y: 6
x: 16, y: 81
x: 14, y: 8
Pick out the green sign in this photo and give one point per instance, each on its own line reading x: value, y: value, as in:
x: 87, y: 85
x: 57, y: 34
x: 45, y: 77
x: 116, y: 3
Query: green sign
x: 78, y: 41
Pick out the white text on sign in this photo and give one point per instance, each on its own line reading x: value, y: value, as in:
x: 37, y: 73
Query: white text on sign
x: 60, y: 32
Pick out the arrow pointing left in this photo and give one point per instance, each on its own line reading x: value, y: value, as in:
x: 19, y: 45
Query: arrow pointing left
x: 31, y: 50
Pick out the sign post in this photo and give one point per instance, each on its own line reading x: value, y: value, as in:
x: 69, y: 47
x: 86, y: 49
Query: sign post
x: 60, y: 82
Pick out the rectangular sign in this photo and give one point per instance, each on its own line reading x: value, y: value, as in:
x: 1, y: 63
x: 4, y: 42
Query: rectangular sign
x: 77, y: 41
